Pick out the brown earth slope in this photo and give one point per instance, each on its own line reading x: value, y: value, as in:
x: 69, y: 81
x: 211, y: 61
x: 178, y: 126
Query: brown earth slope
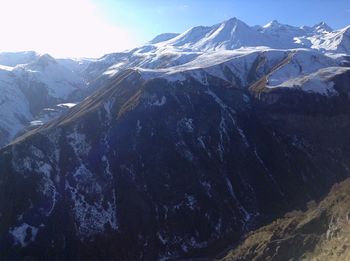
x: 320, y: 233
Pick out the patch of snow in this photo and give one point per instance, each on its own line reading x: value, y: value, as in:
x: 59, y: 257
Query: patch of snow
x: 191, y: 201
x: 160, y: 102
x: 6, y: 68
x: 216, y: 99
x: 24, y: 234
x: 245, y: 213
x: 92, y: 218
x: 202, y: 143
x: 36, y: 123
x: 67, y: 105
x: 138, y: 127
x: 318, y: 82
x: 183, y: 150
x: 78, y: 142
x: 108, y: 105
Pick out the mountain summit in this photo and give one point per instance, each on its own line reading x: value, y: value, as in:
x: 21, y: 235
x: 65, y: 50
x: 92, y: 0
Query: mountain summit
x: 323, y: 27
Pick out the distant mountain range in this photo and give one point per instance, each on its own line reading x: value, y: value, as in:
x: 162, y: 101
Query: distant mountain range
x: 176, y: 149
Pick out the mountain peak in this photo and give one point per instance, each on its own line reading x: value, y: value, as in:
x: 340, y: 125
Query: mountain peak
x: 322, y: 26
x: 273, y: 23
x: 232, y: 25
x: 346, y: 30
x: 234, y: 21
x: 41, y: 62
x: 163, y: 37
x: 46, y: 56
x: 16, y: 58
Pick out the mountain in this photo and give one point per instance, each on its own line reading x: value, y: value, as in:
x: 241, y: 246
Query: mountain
x: 28, y: 88
x: 166, y: 169
x: 234, y: 33
x: 14, y: 112
x: 177, y: 149
x: 59, y: 80
x: 337, y: 41
x: 232, y: 36
x: 319, y: 233
x: 13, y: 59
x: 163, y: 37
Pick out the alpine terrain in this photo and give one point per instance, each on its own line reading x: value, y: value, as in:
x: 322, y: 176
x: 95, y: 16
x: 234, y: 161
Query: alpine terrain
x: 178, y: 149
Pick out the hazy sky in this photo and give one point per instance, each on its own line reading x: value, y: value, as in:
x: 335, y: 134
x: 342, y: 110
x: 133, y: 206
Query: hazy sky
x: 91, y: 28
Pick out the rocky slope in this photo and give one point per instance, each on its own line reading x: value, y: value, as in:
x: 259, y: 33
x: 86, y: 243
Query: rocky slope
x: 319, y: 233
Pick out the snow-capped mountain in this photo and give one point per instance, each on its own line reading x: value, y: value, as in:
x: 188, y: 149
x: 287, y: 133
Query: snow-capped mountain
x: 337, y: 41
x: 163, y: 37
x: 14, y: 107
x: 32, y: 83
x: 233, y: 34
x: 179, y: 147
x: 59, y: 81
x: 199, y: 45
x: 15, y: 58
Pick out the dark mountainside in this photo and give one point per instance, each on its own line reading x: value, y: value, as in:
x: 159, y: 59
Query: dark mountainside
x: 149, y: 169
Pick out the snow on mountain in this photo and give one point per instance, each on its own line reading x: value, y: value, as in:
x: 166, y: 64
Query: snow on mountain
x: 322, y: 28
x: 26, y: 89
x: 308, y: 70
x: 300, y: 62
x: 228, y: 35
x: 232, y: 51
x: 336, y: 41
x: 317, y: 82
x: 14, y: 107
x: 204, y: 46
x: 76, y: 65
x: 234, y: 66
x: 242, y: 67
x: 163, y: 37
x: 233, y: 34
x: 59, y: 80
x: 283, y: 33
x: 13, y: 59
x: 276, y: 29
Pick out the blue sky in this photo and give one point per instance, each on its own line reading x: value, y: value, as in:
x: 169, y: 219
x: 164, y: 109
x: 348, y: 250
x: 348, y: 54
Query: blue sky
x: 91, y: 28
x: 147, y: 18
